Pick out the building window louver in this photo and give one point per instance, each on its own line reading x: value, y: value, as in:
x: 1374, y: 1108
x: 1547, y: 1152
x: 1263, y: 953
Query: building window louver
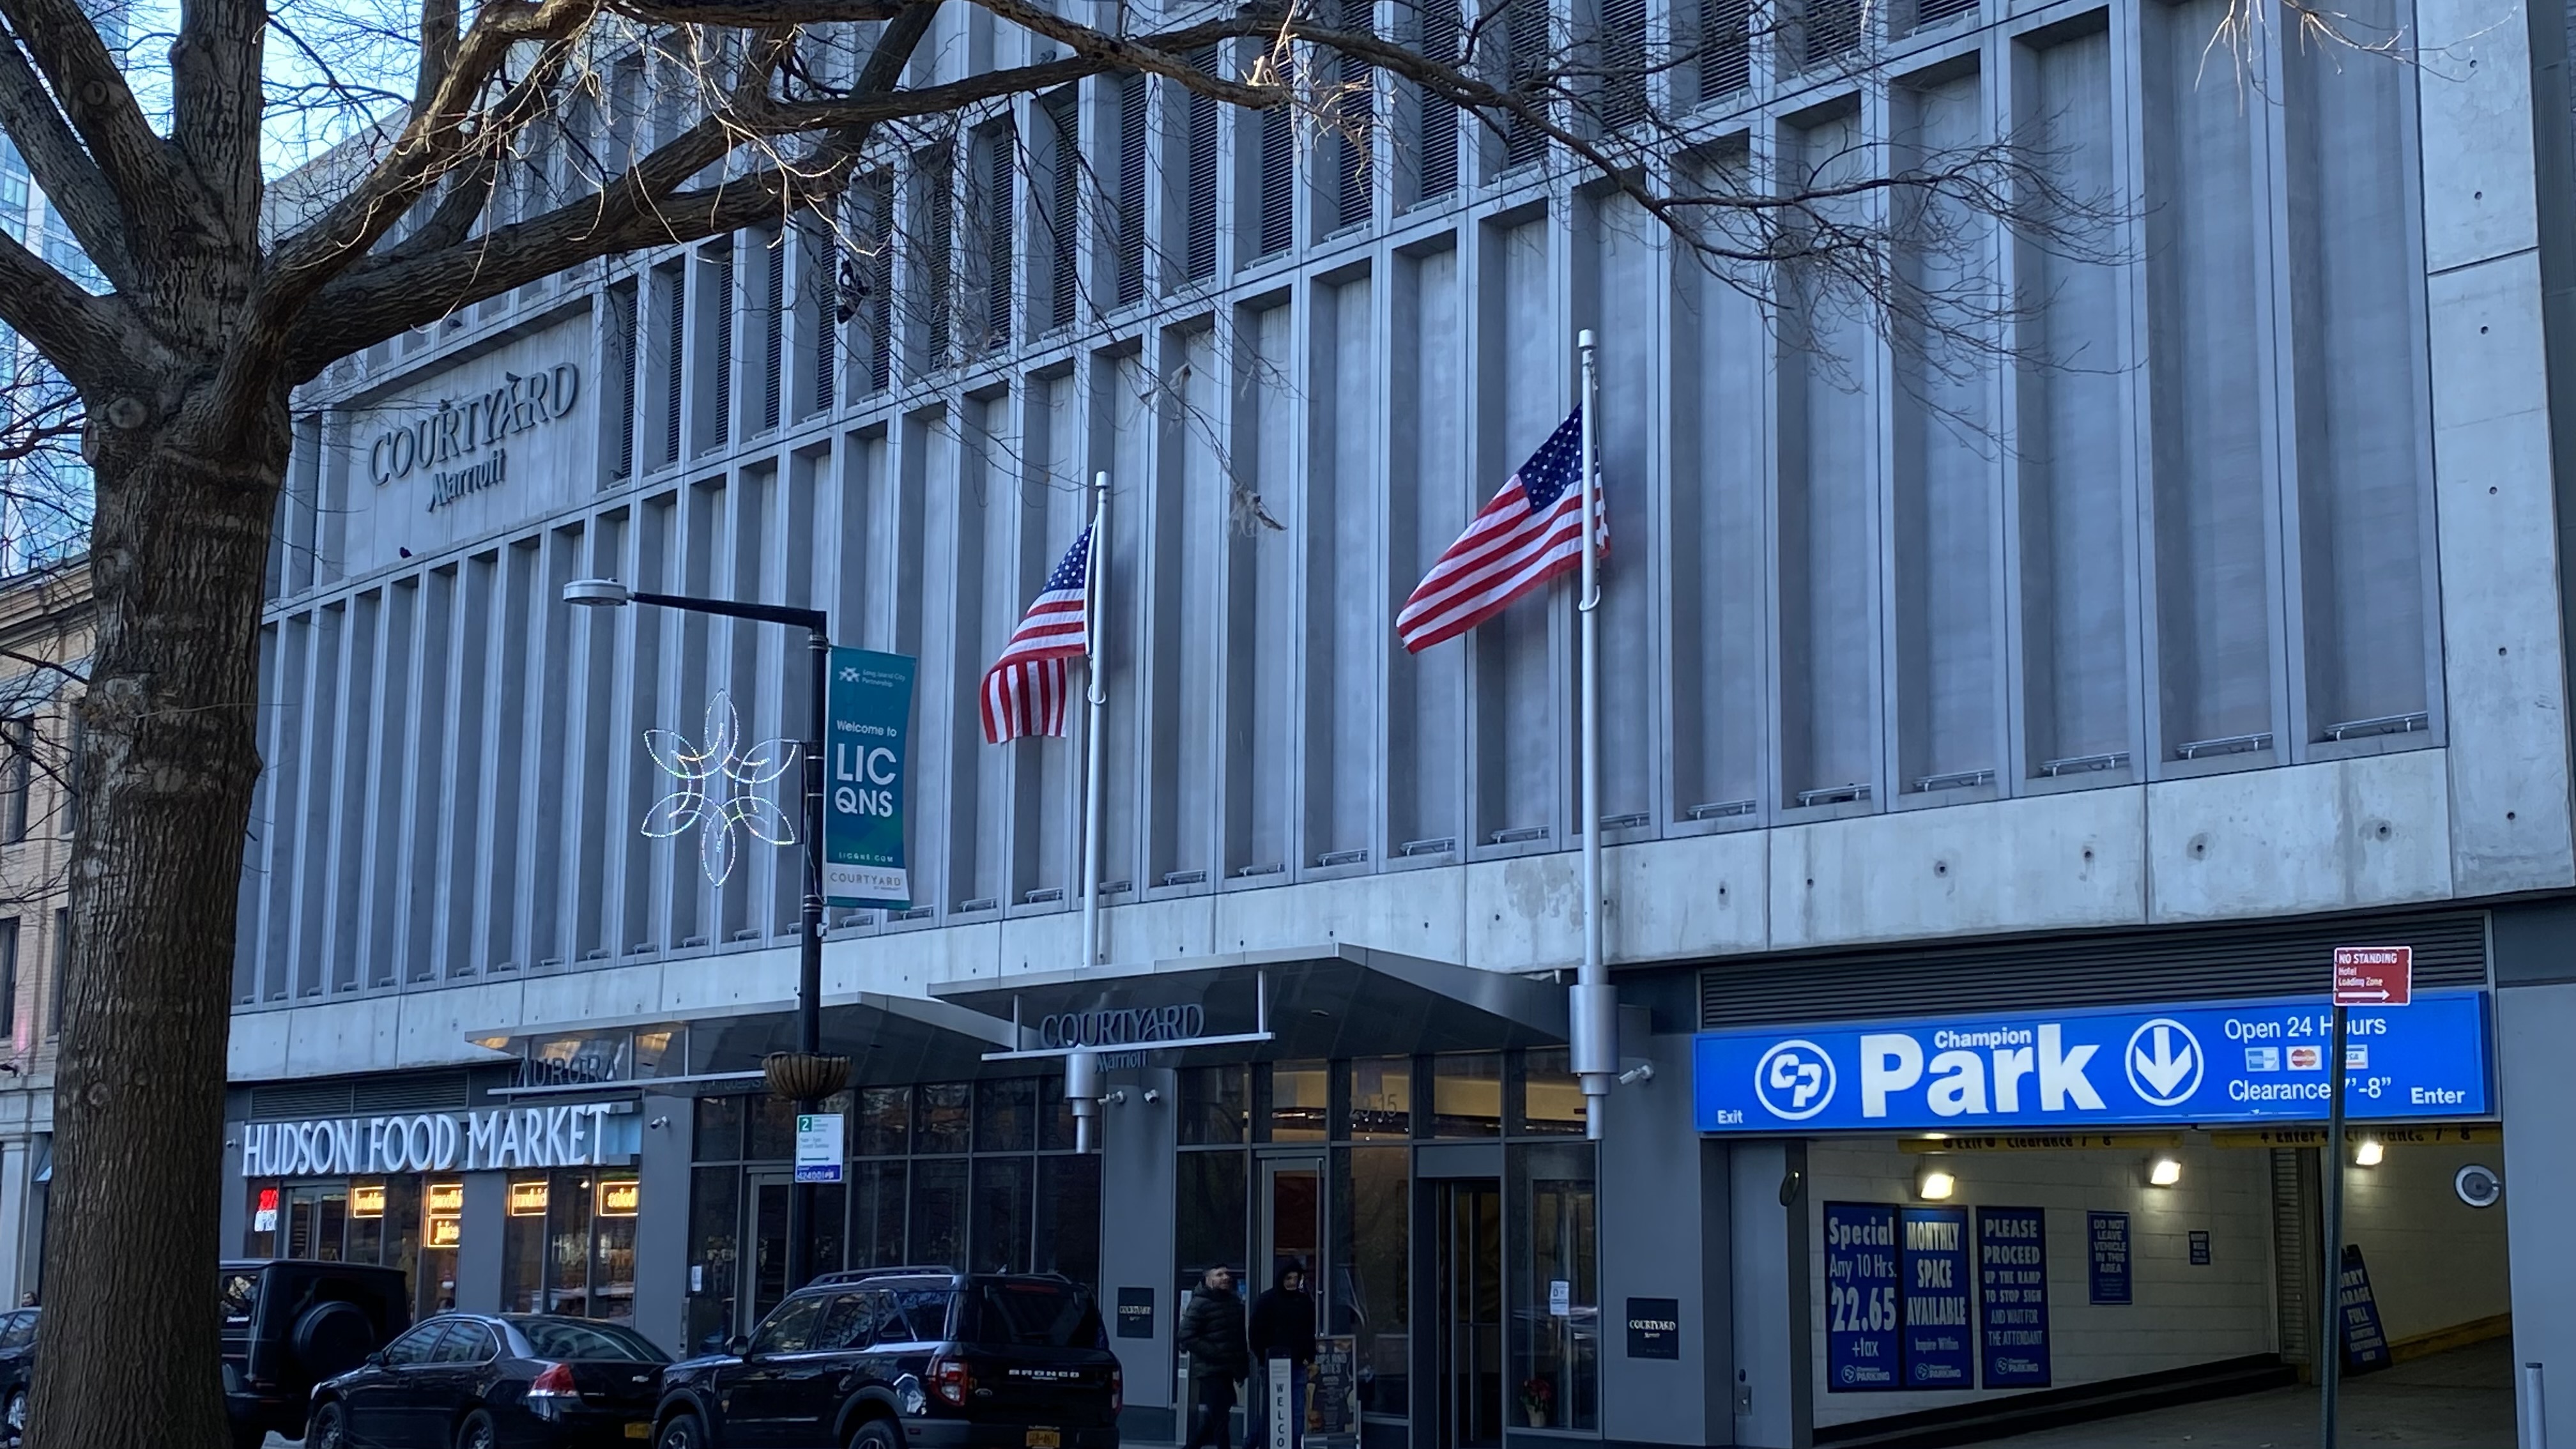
x: 1358, y: 115
x: 877, y: 268
x: 773, y: 323
x: 1525, y: 41
x: 675, y: 358
x: 1131, y: 189
x: 1436, y: 145
x: 1725, y: 48
x: 621, y: 377
x: 823, y: 273
x: 720, y: 317
x: 1833, y: 28
x: 1199, y: 210
x: 1623, y: 63
x: 939, y: 247
x: 998, y: 248
x: 1064, y: 206
x: 1278, y: 180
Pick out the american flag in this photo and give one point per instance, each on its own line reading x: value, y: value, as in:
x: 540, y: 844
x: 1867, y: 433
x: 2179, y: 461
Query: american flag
x: 1528, y: 533
x: 1025, y: 690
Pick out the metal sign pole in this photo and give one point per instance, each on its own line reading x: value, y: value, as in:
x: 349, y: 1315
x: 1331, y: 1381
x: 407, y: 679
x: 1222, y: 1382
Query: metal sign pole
x: 2330, y: 1346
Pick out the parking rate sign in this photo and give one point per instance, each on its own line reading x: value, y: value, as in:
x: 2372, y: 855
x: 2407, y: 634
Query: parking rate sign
x: 870, y: 724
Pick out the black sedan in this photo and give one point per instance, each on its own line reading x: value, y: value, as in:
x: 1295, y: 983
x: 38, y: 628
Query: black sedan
x: 465, y: 1381
x: 17, y: 1365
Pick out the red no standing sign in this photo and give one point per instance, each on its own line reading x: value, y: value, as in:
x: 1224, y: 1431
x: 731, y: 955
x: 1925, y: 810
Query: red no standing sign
x: 2374, y: 975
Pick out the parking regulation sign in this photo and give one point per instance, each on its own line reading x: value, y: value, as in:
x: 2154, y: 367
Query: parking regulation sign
x: 2374, y: 975
x: 818, y: 1147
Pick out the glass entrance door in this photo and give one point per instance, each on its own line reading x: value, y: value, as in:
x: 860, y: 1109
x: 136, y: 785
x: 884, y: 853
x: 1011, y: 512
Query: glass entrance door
x: 766, y: 1206
x: 1467, y: 1306
x: 1292, y: 1222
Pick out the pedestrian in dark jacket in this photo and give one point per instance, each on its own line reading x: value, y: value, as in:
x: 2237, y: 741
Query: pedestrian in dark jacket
x: 1283, y: 1320
x: 1283, y: 1331
x: 1211, y: 1333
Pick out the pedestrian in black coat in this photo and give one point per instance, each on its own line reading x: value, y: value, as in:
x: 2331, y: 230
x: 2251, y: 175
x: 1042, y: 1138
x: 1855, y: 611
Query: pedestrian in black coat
x: 1283, y: 1320
x: 1211, y: 1333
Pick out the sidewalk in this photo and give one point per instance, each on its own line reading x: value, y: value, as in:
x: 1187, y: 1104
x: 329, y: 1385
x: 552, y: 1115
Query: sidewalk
x: 2457, y: 1400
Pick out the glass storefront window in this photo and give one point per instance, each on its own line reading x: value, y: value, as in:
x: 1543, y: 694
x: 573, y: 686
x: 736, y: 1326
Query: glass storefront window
x: 612, y: 1261
x: 939, y: 1210
x: 1055, y: 1116
x: 267, y: 1207
x: 885, y: 1121
x: 1551, y: 1097
x: 1370, y: 1290
x: 943, y: 1117
x: 1069, y: 1217
x: 715, y: 1242
x: 1556, y: 1357
x: 1300, y: 1101
x: 523, y: 1243
x: 568, y: 1251
x: 773, y: 1129
x: 1006, y: 1115
x: 1381, y: 1099
x: 718, y: 1136
x: 1000, y: 1239
x: 876, y: 1214
x: 1216, y: 1105
x: 367, y: 1221
x: 652, y: 1048
x: 1208, y: 1225
x: 1467, y: 1096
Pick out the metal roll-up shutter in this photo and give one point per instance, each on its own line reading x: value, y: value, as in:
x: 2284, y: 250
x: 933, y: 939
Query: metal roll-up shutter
x: 2196, y: 963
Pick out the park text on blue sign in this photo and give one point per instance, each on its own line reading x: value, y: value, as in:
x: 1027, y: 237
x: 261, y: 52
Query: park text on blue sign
x: 2207, y: 1062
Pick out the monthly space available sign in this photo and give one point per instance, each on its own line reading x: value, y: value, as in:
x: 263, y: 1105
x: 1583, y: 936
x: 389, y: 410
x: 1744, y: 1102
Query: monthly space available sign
x: 2199, y: 1063
x: 1940, y: 1328
x: 869, y: 715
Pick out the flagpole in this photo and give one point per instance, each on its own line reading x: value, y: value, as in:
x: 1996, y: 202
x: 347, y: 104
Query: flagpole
x: 1082, y: 1085
x: 1593, y: 1010
x: 1095, y: 581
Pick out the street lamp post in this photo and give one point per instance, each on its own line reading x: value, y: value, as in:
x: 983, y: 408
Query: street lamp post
x: 814, y: 1077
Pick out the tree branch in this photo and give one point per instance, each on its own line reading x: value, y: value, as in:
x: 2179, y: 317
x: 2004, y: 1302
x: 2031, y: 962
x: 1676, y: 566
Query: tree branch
x: 85, y: 79
x: 71, y: 181
x: 88, y: 338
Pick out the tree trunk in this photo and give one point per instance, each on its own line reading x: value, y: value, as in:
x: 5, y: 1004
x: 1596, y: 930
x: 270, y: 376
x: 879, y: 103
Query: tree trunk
x: 178, y: 563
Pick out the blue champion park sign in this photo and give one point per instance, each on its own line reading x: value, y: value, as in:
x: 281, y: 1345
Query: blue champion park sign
x: 2236, y: 1061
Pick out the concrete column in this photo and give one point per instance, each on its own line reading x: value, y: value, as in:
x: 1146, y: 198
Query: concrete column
x: 478, y: 1252
x: 1136, y: 1247
x: 1773, y: 1381
x: 662, y: 1223
x: 1665, y: 1219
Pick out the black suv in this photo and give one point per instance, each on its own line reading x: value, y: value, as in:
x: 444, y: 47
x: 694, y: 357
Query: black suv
x: 291, y: 1325
x: 906, y: 1358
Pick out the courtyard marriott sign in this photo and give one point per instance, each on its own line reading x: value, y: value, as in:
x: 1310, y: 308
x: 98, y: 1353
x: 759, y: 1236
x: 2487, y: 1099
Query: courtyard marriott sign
x: 577, y: 1136
x: 463, y: 427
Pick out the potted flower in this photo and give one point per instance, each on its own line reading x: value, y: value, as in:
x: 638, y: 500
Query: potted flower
x: 1538, y: 1396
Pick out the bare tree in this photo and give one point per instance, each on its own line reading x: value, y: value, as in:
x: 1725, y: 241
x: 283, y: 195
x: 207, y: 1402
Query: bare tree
x: 219, y: 293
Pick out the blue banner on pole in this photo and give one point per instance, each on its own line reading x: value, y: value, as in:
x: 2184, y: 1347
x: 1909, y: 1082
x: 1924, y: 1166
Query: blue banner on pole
x: 2012, y: 1285
x: 1939, y: 1322
x: 2107, y: 1235
x: 1861, y: 1319
x: 2208, y: 1062
x: 869, y: 714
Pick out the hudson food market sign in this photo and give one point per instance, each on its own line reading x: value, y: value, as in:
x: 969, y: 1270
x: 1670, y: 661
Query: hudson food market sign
x: 459, y: 445
x: 591, y: 1134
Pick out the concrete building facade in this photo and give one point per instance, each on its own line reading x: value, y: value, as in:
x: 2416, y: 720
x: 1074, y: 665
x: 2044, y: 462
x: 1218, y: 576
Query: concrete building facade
x: 2207, y: 620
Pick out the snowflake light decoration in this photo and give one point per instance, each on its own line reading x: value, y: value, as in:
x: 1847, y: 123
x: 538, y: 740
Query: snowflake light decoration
x: 720, y: 790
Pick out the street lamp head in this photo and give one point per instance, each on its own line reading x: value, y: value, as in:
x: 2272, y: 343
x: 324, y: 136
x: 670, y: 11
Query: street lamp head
x: 597, y: 593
